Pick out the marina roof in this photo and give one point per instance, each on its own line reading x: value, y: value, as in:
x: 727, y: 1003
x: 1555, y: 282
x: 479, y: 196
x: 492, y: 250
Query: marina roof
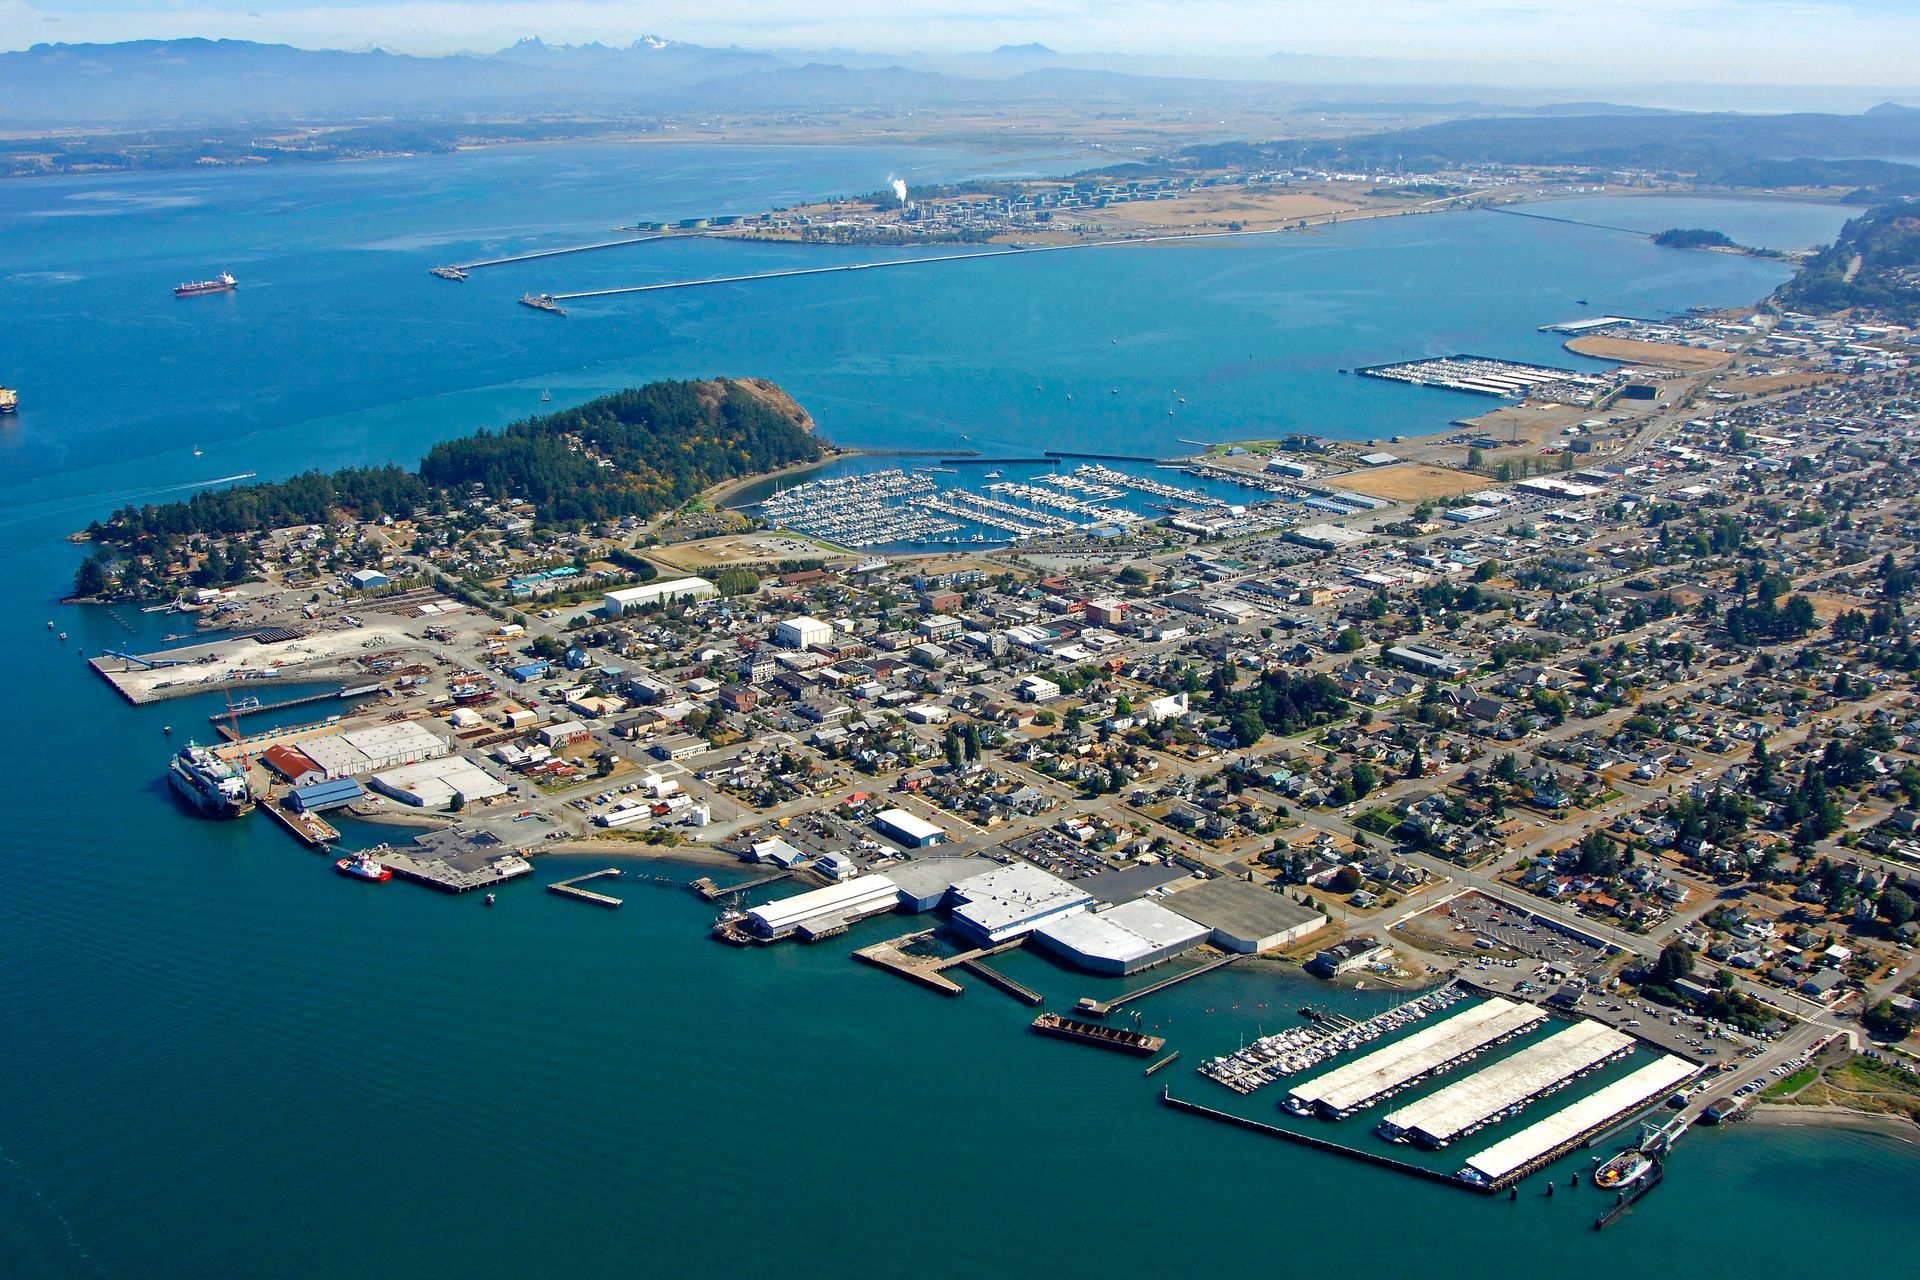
x: 1393, y: 1065
x: 1568, y: 1123
x: 1443, y: 1116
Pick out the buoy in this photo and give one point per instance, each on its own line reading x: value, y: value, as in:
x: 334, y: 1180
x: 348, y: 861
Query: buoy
x: 1549, y: 1189
x: 1513, y: 1194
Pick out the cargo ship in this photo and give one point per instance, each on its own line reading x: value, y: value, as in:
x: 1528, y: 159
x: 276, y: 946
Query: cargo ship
x: 1052, y: 1024
x: 9, y: 400
x: 362, y: 867
x: 211, y: 784
x: 222, y: 283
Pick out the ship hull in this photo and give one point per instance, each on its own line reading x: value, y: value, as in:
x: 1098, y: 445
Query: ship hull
x: 207, y: 806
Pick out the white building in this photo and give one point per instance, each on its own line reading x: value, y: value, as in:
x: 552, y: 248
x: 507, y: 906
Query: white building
x: 821, y: 909
x: 1010, y: 902
x: 1126, y: 939
x: 908, y: 829
x: 685, y: 590
x: 369, y: 750
x: 803, y: 633
x: 434, y: 784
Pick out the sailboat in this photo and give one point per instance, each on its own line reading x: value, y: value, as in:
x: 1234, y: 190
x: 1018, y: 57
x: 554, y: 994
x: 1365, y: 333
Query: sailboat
x: 546, y: 397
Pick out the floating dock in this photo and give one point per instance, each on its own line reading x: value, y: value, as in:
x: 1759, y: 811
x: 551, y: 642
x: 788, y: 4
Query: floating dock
x: 1546, y: 1140
x: 1539, y: 1069
x: 571, y: 888
x: 1052, y: 1024
x: 1347, y: 1088
x: 1320, y: 1144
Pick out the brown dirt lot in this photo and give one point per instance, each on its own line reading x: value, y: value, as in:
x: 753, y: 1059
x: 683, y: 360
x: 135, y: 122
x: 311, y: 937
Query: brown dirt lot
x: 1410, y: 482
x: 1665, y: 355
x: 1226, y: 206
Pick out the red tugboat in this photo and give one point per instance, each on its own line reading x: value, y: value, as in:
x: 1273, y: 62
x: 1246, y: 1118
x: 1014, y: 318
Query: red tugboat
x: 362, y: 867
x: 222, y: 283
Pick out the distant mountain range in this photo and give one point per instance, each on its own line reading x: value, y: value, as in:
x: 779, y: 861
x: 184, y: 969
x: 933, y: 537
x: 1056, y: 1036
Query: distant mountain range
x: 146, y: 83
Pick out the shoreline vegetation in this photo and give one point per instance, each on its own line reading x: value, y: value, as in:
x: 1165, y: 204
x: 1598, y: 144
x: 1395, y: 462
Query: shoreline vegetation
x: 637, y: 454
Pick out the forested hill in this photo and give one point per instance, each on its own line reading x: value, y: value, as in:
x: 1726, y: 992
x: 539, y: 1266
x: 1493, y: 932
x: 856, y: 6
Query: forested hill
x: 1873, y: 264
x: 636, y: 452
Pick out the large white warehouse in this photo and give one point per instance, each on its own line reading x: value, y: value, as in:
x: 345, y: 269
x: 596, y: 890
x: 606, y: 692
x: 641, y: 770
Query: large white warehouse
x: 1126, y: 939
x: 686, y: 590
x: 818, y: 910
x: 1011, y: 901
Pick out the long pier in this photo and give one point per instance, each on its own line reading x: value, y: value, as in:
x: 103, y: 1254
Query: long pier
x: 792, y: 272
x: 1321, y: 1144
x: 1019, y: 991
x: 554, y: 253
x: 711, y: 892
x: 1628, y: 1199
x: 309, y: 829
x: 1101, y: 1008
x: 571, y: 888
x: 257, y: 708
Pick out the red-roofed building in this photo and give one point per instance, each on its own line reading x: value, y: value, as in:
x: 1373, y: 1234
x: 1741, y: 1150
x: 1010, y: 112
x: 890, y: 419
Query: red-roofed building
x: 293, y: 764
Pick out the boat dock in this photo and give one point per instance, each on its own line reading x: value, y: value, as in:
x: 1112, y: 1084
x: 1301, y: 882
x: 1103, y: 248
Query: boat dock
x: 254, y: 707
x: 456, y: 860
x: 1158, y: 1063
x: 1319, y: 1144
x: 1499, y: 1090
x: 1547, y: 1139
x: 1630, y: 1198
x: 309, y: 829
x: 711, y: 892
x: 1410, y: 1059
x: 571, y: 888
x: 1095, y: 1033
x: 1101, y: 1008
x: 995, y: 978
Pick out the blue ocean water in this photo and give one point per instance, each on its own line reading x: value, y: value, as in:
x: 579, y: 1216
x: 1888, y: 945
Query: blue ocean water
x: 224, y: 1060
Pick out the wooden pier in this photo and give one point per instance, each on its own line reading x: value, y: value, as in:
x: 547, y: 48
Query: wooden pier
x: 891, y: 956
x: 1161, y: 1062
x: 711, y: 892
x: 995, y: 978
x: 1101, y: 1008
x: 256, y: 708
x: 571, y: 888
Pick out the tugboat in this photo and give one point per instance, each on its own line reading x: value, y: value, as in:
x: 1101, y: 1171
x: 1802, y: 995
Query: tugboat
x: 1623, y: 1170
x: 222, y: 283
x: 9, y: 400
x: 362, y: 867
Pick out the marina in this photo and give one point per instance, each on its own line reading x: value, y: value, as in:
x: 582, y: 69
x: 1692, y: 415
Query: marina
x: 1298, y: 1049
x: 1501, y: 1089
x: 1505, y: 379
x: 1387, y: 1070
x: 1545, y: 1140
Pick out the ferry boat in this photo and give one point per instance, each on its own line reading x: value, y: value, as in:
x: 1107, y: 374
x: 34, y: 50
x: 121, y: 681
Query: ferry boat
x: 9, y: 400
x: 362, y: 867
x: 1623, y: 1170
x: 222, y: 283
x: 209, y: 783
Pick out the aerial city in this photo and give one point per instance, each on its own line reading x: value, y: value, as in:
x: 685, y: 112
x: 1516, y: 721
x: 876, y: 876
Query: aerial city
x: 1192, y: 639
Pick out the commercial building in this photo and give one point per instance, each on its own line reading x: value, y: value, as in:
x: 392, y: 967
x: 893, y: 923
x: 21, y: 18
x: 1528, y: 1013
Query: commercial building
x: 1010, y: 902
x: 1347, y: 955
x: 1124, y: 939
x: 367, y: 579
x: 376, y: 748
x: 435, y: 784
x: 1428, y: 661
x: 1246, y: 918
x: 1326, y: 537
x: 318, y: 797
x: 684, y: 590
x: 908, y: 829
x: 820, y: 911
x: 802, y: 633
x: 925, y: 883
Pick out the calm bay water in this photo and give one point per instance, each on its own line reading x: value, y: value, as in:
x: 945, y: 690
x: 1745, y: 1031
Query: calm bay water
x: 224, y: 1060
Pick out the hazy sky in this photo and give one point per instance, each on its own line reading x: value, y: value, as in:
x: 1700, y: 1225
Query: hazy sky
x: 1545, y: 41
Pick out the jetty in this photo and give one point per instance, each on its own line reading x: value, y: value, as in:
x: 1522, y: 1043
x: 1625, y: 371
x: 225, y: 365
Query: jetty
x: 1101, y: 1008
x: 458, y: 270
x: 570, y: 888
x: 254, y: 707
x: 1627, y: 1199
x: 711, y: 892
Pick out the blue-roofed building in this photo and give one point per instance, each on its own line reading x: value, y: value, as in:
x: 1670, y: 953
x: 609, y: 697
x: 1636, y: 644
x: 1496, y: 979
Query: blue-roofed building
x: 320, y: 796
x: 367, y: 579
x: 530, y: 671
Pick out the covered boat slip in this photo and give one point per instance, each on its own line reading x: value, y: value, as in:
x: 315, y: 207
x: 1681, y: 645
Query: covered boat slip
x: 1440, y: 1117
x: 1545, y: 1137
x: 1393, y: 1066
